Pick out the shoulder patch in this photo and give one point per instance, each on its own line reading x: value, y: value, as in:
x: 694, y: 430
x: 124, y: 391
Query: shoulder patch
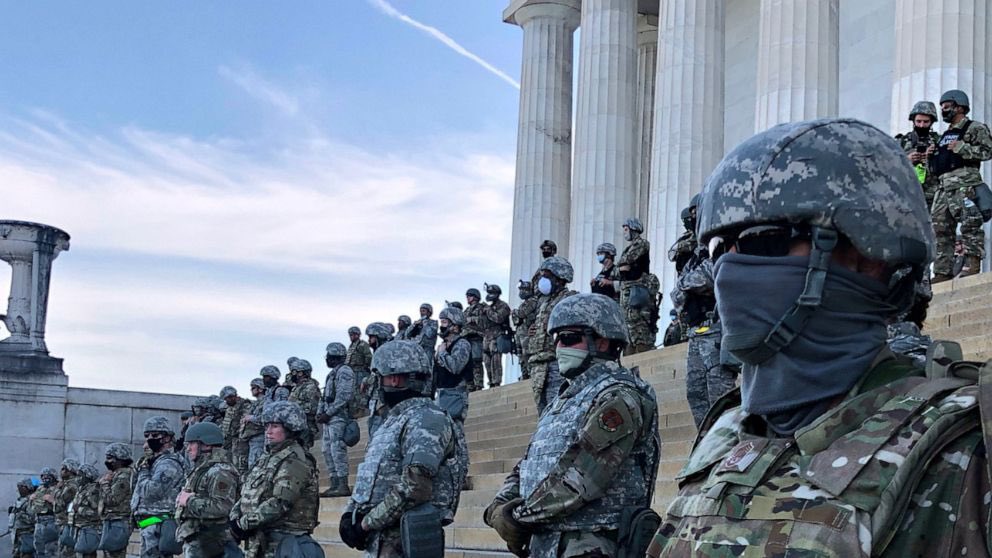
x: 610, y: 420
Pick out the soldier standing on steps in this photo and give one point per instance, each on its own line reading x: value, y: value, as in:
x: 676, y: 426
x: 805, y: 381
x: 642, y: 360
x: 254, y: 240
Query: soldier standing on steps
x: 424, y: 330
x: 452, y: 374
x: 237, y: 408
x: 64, y: 493
x: 592, y: 462
x: 556, y: 273
x: 522, y: 317
x: 306, y: 394
x: 497, y: 316
x: 273, y: 391
x: 208, y: 494
x: 42, y: 509
x: 21, y: 524
x: 409, y: 473
x: 334, y: 413
x: 474, y: 330
x: 160, y: 474
x: 378, y: 336
x: 84, y: 510
x: 359, y: 358
x: 115, y: 499
x: 252, y: 432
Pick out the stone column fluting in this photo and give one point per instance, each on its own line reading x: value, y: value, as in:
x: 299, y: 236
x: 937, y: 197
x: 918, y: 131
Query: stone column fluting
x: 940, y: 46
x: 647, y: 75
x: 542, y: 186
x: 797, y: 61
x: 688, y: 122
x: 604, y: 189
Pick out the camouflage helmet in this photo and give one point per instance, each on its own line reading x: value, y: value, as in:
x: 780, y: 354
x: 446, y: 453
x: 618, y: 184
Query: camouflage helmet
x: 88, y: 472
x: 453, y: 315
x: 493, y: 289
x: 925, y: 108
x: 549, y: 244
x: 455, y: 304
x: 405, y: 358
x: 559, y: 267
x: 525, y: 289
x: 158, y: 423
x: 71, y: 465
x: 607, y: 248
x: 228, y: 391
x: 956, y: 96
x: 286, y: 413
x: 404, y: 319
x: 48, y: 472
x: 206, y: 433
x: 592, y: 311
x: 428, y: 307
x: 634, y: 224
x: 203, y: 403
x: 271, y: 372
x: 335, y: 349
x: 694, y: 201
x: 119, y: 451
x: 389, y: 327
x: 290, y: 361
x: 257, y: 382
x: 354, y: 330
x: 25, y: 483
x: 473, y: 292
x: 300, y: 366
x: 379, y: 330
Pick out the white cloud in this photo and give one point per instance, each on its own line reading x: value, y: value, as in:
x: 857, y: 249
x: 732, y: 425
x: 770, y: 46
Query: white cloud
x: 388, y: 9
x: 262, y: 89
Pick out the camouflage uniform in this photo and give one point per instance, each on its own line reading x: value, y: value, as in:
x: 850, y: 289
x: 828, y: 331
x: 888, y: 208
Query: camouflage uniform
x: 203, y: 520
x: 360, y: 359
x: 476, y: 324
x: 451, y: 374
x: 65, y: 491
x: 252, y: 431
x: 339, y: 388
x: 115, y: 495
x: 424, y: 332
x: 497, y: 315
x: 636, y: 256
x: 910, y: 142
x: 522, y: 318
x: 306, y: 394
x: 43, y: 513
x: 954, y: 203
x: 159, y: 479
x: 21, y: 523
x: 906, y: 339
x: 543, y: 365
x: 233, y: 443
x: 85, y: 506
x: 279, y: 497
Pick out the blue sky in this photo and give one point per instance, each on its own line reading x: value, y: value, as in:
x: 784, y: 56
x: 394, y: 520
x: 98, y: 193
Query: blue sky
x: 243, y: 181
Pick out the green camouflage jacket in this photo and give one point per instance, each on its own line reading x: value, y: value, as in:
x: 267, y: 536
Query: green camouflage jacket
x: 359, y: 356
x: 232, y: 421
x: 214, y: 483
x: 65, y: 491
x: 975, y: 146
x: 115, y: 494
x: 476, y: 322
x: 280, y: 492
x: 540, y: 343
x: 86, y: 506
x: 898, y: 468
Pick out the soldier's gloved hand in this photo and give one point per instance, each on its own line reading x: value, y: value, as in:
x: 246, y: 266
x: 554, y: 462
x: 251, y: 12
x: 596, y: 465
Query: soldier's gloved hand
x: 351, y: 532
x: 323, y: 418
x: 516, y: 535
x: 237, y: 532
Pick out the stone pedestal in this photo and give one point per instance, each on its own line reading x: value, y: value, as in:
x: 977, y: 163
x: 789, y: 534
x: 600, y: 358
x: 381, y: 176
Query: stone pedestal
x: 688, y: 125
x: 542, y: 187
x: 797, y: 61
x: 647, y: 76
x: 604, y: 190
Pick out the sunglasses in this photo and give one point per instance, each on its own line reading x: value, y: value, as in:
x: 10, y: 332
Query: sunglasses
x: 761, y: 240
x: 569, y: 338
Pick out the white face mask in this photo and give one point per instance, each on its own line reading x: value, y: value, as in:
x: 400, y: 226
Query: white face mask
x: 600, y: 258
x: 544, y: 285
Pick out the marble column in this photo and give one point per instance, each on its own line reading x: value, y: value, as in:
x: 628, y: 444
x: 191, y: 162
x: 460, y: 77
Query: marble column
x: 688, y: 119
x: 797, y: 61
x: 647, y: 72
x: 542, y: 187
x: 943, y: 45
x: 604, y: 188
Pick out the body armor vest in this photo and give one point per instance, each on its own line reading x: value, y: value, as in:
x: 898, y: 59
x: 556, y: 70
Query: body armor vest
x: 302, y: 516
x: 64, y: 493
x: 444, y: 378
x: 166, y: 502
x: 946, y: 160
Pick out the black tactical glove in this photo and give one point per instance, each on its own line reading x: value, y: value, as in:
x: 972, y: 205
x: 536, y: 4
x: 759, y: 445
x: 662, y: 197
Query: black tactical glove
x: 237, y: 532
x: 352, y: 533
x: 517, y: 536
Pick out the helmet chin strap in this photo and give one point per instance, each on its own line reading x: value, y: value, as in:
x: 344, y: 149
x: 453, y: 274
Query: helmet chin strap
x: 757, y: 347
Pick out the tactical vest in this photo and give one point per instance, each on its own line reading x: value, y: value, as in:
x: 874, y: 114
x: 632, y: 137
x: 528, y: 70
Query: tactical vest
x: 355, y: 404
x: 189, y: 527
x: 946, y: 160
x: 558, y: 429
x: 382, y: 468
x: 65, y: 491
x: 116, y: 505
x: 258, y: 487
x: 444, y: 378
x: 22, y: 517
x: 811, y: 495
x: 253, y: 428
x: 85, y: 506
x: 37, y: 504
x: 166, y: 502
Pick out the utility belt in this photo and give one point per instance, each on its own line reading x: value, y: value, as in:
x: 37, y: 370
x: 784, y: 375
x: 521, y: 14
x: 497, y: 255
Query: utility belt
x: 143, y: 521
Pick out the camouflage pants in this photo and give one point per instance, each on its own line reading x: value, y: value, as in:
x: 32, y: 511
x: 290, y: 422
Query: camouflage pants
x: 951, y: 207
x: 385, y: 544
x: 19, y: 540
x: 545, y: 384
x: 642, y: 338
x: 454, y: 402
x: 49, y: 549
x: 478, y: 374
x: 706, y: 380
x: 256, y: 447
x: 334, y: 449
x: 572, y: 544
x: 493, y: 361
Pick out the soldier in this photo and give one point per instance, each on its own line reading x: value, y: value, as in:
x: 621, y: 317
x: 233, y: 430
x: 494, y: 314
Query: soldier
x: 252, y: 432
x: 825, y: 450
x: 592, y: 460
x: 359, y: 359
x: 522, y: 318
x: 335, y: 412
x: 497, y: 318
x: 378, y: 336
x: 279, y: 498
x: 957, y: 164
x: 65, y: 491
x: 160, y: 474
x: 209, y: 493
x: 42, y: 508
x: 409, y: 472
x: 921, y: 144
x: 636, y: 288
x: 675, y: 333
x: 685, y: 247
x: 237, y: 408
x: 306, y: 394
x: 273, y: 391
x: 452, y: 374
x: 904, y: 336
x: 556, y: 274
x: 115, y: 500
x: 474, y: 330
x: 606, y: 253
x: 424, y: 330
x: 403, y: 324
x: 84, y: 512
x: 21, y: 523
x: 548, y: 249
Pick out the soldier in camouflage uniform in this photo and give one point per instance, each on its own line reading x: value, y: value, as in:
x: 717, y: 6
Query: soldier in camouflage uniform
x: 632, y: 271
x: 21, y: 523
x: 424, y: 330
x: 403, y: 323
x: 115, y: 495
x: 237, y: 408
x: 606, y: 254
x: 556, y: 274
x: 335, y: 412
x: 497, y: 319
x: 475, y: 328
x: 684, y: 248
x: 84, y: 514
x: 279, y: 498
x: 522, y: 318
x: 306, y: 394
x: 920, y: 144
x: 160, y: 474
x: 42, y: 509
x: 957, y: 163
x: 64, y: 493
x: 821, y: 232
x: 548, y: 249
x: 452, y: 373
x: 252, y: 431
x: 593, y: 458
x: 410, y: 464
x: 273, y: 391
x: 378, y: 336
x: 359, y: 359
x: 208, y: 495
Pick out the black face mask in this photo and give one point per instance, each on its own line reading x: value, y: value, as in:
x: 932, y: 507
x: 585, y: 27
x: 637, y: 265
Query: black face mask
x: 155, y: 444
x: 394, y: 398
x: 443, y: 330
x: 547, y: 254
x: 491, y: 297
x: 110, y: 464
x: 269, y: 381
x: 924, y: 131
x: 948, y: 115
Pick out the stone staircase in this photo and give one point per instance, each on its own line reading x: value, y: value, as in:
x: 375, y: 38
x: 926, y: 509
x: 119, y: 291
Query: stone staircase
x: 501, y: 420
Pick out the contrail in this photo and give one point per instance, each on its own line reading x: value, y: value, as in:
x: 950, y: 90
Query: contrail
x: 386, y: 8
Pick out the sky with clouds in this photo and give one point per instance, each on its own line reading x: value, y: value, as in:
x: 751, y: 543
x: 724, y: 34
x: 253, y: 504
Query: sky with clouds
x: 242, y: 182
